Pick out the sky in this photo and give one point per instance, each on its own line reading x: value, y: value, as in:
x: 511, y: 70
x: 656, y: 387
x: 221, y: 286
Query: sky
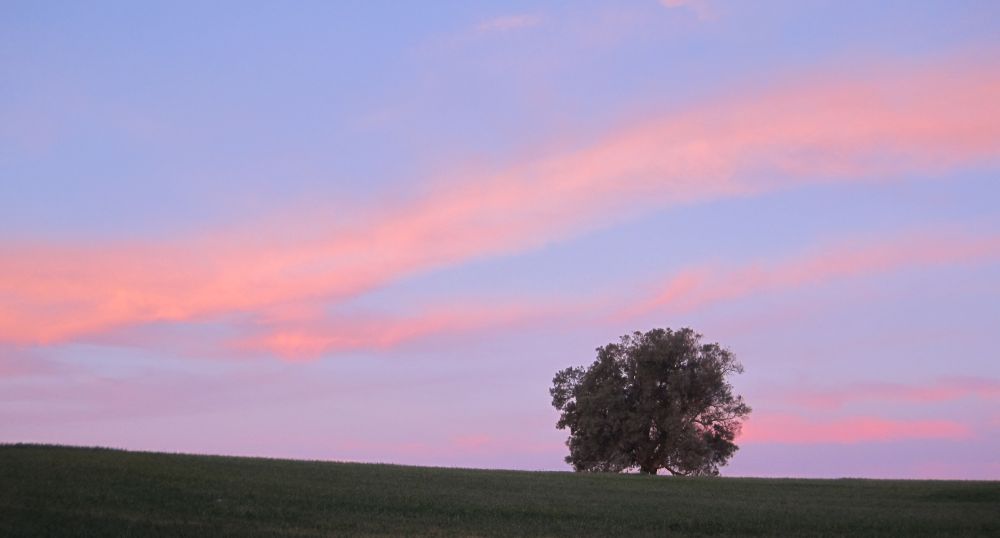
x: 373, y: 231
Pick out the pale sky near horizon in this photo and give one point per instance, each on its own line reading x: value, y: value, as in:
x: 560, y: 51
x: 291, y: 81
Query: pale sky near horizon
x: 373, y: 231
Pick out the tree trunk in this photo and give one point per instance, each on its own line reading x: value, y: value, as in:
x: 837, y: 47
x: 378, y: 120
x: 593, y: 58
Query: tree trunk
x: 648, y: 469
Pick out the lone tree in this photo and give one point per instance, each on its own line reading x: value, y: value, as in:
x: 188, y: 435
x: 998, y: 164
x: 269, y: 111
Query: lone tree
x: 658, y: 400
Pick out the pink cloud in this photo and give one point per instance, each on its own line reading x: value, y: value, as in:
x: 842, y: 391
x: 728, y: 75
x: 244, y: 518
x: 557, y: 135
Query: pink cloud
x: 311, y: 335
x: 844, y: 127
x: 472, y: 442
x: 699, y: 287
x: 309, y: 338
x: 941, y: 390
x: 794, y: 429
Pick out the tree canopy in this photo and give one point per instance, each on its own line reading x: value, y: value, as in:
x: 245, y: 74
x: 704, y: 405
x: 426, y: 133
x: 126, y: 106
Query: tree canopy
x: 654, y: 400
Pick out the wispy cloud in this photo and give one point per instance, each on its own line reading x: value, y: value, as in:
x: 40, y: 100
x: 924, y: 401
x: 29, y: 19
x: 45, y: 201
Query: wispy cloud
x: 940, y: 390
x: 795, y: 429
x: 309, y: 338
x: 698, y: 287
x: 842, y: 127
x: 472, y: 442
x: 314, y: 335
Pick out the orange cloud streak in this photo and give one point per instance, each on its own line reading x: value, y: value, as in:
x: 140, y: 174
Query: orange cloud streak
x: 819, y: 129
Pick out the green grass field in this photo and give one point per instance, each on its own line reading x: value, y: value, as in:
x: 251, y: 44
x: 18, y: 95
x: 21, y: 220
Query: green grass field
x: 63, y: 491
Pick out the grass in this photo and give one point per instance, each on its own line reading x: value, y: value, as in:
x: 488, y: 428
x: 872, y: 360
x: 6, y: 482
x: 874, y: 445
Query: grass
x: 65, y: 491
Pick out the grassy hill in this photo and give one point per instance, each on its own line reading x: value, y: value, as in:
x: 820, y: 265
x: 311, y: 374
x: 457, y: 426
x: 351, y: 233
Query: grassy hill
x: 63, y: 491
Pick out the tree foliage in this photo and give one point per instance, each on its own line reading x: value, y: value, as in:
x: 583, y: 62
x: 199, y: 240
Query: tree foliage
x: 655, y: 400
